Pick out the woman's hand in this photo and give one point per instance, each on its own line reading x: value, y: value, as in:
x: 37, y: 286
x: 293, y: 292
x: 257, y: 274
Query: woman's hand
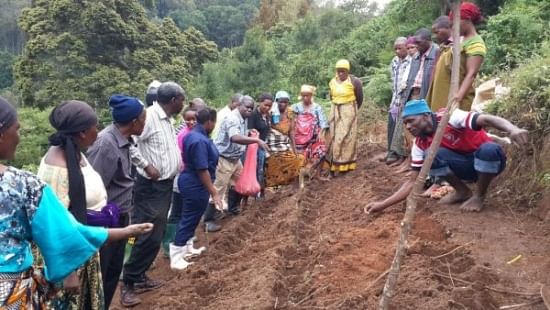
x: 138, y: 229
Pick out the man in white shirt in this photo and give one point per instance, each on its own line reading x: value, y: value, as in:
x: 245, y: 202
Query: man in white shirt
x: 157, y: 159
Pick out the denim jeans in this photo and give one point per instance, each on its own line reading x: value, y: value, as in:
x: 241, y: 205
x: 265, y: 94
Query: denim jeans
x: 489, y: 158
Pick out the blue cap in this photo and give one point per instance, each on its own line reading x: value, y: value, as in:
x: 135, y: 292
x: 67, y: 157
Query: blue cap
x: 125, y: 108
x: 281, y: 94
x: 416, y: 107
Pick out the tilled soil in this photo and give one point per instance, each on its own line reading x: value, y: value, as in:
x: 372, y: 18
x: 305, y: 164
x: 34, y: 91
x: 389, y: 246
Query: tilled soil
x: 317, y: 249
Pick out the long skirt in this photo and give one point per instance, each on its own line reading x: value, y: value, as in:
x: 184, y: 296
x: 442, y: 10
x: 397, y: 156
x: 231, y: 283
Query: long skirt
x: 90, y: 292
x: 342, y: 154
x: 25, y: 290
x: 282, y: 168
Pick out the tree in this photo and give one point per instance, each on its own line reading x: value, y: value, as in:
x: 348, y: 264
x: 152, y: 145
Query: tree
x: 226, y: 25
x: 185, y: 19
x: 12, y: 39
x: 257, y: 68
x: 6, y: 73
x: 89, y: 50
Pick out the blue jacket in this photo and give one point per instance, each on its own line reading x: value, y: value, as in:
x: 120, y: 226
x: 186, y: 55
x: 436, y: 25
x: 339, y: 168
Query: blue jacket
x: 428, y: 69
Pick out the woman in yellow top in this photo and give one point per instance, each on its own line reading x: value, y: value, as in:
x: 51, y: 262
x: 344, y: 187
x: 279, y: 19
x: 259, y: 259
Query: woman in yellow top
x: 346, y: 93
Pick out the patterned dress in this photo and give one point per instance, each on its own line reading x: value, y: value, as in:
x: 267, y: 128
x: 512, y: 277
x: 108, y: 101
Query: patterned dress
x: 90, y: 292
x: 283, y: 166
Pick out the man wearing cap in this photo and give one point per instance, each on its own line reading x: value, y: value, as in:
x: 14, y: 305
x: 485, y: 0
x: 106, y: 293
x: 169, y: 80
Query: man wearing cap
x: 466, y: 153
x: 110, y: 157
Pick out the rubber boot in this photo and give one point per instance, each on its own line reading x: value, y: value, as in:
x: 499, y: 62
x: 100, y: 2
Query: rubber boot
x: 209, y: 218
x: 191, y: 250
x: 168, y: 238
x: 234, y: 202
x: 177, y: 257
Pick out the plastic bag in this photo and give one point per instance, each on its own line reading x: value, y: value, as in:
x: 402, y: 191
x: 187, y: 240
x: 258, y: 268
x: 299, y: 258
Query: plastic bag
x: 248, y: 183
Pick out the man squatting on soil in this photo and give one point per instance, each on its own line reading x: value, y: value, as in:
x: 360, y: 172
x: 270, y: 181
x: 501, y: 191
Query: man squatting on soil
x: 467, y: 153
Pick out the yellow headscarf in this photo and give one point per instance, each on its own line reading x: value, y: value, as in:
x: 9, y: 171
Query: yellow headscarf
x: 343, y: 64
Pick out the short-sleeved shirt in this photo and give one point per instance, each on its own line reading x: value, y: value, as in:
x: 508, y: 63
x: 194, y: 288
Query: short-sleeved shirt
x: 474, y: 46
x: 261, y: 124
x: 199, y: 154
x: 234, y: 124
x: 462, y: 135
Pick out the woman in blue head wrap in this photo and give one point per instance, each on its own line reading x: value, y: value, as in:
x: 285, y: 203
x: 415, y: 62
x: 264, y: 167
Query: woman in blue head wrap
x: 283, y: 166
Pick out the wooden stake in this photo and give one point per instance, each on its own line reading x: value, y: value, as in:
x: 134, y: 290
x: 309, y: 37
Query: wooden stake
x: 412, y: 200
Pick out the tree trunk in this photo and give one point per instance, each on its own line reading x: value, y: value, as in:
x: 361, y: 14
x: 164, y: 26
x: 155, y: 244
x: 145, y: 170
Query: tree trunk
x: 412, y: 200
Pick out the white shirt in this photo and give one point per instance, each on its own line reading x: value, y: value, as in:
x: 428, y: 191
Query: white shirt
x: 157, y: 145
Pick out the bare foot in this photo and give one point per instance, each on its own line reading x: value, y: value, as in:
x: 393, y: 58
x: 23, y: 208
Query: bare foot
x: 456, y: 197
x: 396, y: 163
x: 474, y: 204
x: 430, y: 190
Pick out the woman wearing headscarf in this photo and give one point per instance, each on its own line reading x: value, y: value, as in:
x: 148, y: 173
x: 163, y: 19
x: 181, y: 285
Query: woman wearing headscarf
x: 79, y: 188
x: 32, y: 214
x: 309, y: 126
x: 283, y: 166
x: 346, y: 93
x: 472, y: 54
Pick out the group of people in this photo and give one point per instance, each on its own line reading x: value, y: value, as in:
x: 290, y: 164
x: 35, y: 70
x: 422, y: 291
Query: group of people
x: 64, y: 231
x: 421, y: 83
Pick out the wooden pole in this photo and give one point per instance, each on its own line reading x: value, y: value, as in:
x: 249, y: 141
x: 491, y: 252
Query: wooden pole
x: 412, y: 199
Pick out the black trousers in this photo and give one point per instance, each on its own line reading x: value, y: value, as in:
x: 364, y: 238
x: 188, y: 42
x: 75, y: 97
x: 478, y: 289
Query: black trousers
x: 151, y: 205
x: 112, y: 259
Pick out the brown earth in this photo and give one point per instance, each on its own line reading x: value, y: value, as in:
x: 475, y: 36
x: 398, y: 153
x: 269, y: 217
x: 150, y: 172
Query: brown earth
x: 320, y: 251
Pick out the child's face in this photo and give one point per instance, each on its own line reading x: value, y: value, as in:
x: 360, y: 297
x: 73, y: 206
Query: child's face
x: 190, y: 119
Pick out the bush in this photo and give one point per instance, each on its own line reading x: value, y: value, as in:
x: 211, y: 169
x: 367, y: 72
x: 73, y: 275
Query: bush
x: 516, y: 33
x: 528, y: 106
x: 378, y: 88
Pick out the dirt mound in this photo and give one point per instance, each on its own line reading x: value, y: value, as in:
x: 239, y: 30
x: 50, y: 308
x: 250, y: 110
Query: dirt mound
x: 318, y: 250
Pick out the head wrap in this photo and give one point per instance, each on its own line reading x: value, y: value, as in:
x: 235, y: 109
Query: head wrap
x: 469, y: 11
x: 8, y: 115
x: 416, y: 107
x: 125, y: 108
x: 343, y: 64
x: 308, y: 89
x: 70, y: 118
x: 411, y: 40
x: 281, y: 95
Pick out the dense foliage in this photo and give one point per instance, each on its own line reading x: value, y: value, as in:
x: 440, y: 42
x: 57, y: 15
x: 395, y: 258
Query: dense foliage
x: 92, y: 49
